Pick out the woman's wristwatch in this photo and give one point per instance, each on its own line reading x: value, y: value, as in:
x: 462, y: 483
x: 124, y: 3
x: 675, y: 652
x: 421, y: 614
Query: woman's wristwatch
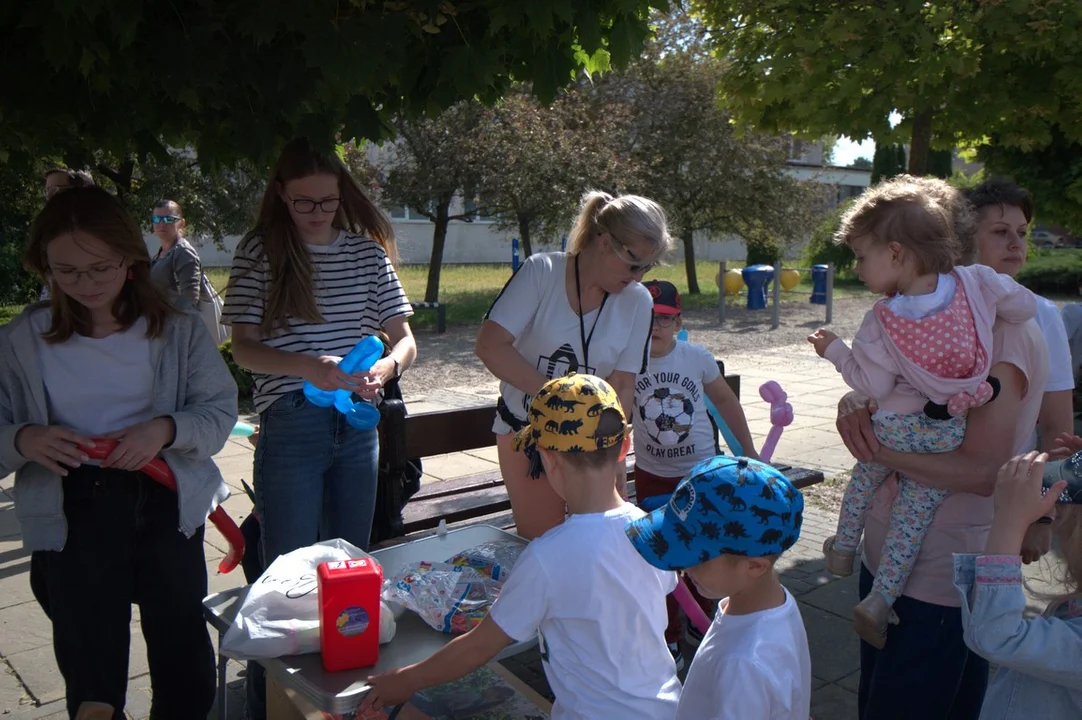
x: 397, y: 368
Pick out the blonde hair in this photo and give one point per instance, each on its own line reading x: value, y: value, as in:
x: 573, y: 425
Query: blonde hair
x: 623, y: 215
x: 1068, y: 530
x: 926, y: 216
x: 291, y: 277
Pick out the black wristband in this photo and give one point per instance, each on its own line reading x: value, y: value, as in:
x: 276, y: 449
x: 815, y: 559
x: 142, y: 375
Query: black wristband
x: 397, y: 369
x: 1043, y: 520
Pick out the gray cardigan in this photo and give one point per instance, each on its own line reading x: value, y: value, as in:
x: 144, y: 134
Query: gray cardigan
x: 179, y: 270
x: 192, y: 385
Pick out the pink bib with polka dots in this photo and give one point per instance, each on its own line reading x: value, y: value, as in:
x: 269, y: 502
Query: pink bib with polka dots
x: 944, y: 343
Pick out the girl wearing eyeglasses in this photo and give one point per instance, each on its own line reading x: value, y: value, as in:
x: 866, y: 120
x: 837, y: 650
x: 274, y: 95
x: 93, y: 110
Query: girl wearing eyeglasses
x: 177, y: 267
x: 111, y: 356
x: 581, y: 311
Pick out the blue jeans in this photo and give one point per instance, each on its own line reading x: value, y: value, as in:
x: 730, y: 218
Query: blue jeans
x: 925, y: 671
x: 315, y: 479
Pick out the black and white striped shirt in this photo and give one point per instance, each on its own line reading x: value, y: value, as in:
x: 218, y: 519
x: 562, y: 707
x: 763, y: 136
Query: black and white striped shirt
x: 357, y: 291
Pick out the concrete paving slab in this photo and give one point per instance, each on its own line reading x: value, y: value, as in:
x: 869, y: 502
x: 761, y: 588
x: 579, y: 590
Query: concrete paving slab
x: 24, y: 627
x: 455, y: 465
x: 13, y: 696
x: 836, y: 647
x: 833, y: 702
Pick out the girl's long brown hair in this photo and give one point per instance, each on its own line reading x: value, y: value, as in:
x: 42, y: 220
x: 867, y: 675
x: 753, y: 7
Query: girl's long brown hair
x: 291, y: 279
x: 95, y: 212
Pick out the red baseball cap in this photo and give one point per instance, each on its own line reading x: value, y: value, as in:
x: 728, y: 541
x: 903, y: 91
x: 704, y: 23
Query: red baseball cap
x: 666, y: 297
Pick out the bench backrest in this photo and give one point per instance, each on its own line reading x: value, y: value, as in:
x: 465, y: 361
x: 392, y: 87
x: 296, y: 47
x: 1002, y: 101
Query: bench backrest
x: 450, y: 431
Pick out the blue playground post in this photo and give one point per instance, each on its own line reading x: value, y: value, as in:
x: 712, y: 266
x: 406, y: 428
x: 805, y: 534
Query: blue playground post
x: 563, y: 244
x: 757, y: 278
x: 514, y: 255
x: 819, y: 285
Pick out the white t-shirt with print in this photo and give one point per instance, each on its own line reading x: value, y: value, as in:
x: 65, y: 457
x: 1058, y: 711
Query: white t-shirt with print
x: 598, y: 611
x: 672, y: 429
x: 1060, y: 372
x: 534, y: 308
x: 751, y: 666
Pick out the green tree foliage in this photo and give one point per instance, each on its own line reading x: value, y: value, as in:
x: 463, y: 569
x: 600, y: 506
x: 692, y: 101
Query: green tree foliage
x: 537, y: 160
x: 687, y: 155
x: 23, y: 195
x: 861, y: 163
x: 888, y: 161
x: 821, y: 248
x: 1053, y: 174
x: 955, y: 71
x: 432, y: 161
x: 233, y: 80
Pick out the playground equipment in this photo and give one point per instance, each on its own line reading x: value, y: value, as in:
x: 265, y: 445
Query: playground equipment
x: 757, y: 278
x: 778, y: 279
x: 731, y: 282
x: 158, y: 471
x: 361, y: 415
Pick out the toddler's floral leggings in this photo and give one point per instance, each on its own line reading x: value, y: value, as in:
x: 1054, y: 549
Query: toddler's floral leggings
x: 915, y: 505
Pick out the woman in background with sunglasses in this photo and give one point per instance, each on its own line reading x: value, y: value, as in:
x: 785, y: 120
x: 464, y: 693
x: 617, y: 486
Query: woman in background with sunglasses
x: 582, y: 311
x: 177, y: 268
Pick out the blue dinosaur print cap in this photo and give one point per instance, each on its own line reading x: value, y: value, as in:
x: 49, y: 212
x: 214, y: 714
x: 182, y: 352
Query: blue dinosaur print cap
x: 725, y: 506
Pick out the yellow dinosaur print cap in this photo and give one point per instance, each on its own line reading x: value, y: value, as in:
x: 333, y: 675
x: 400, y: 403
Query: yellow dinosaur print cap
x: 565, y: 413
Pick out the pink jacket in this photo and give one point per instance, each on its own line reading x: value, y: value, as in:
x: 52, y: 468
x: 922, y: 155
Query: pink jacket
x: 876, y: 367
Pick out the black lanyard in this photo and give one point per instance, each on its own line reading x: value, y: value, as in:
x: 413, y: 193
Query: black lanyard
x: 582, y: 325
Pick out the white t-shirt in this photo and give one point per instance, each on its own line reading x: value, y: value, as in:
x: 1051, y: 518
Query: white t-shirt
x: 534, y: 308
x: 96, y: 386
x: 1060, y: 372
x: 598, y: 611
x: 917, y: 307
x: 672, y: 428
x: 357, y: 291
x: 751, y: 666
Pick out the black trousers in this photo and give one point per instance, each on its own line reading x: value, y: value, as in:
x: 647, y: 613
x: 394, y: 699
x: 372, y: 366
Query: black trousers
x: 124, y: 547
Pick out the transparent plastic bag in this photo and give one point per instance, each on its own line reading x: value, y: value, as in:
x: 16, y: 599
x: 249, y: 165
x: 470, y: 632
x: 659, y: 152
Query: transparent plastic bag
x: 452, y: 599
x: 492, y: 559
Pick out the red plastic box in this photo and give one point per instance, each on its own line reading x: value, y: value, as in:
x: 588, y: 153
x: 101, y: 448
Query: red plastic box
x: 349, y: 593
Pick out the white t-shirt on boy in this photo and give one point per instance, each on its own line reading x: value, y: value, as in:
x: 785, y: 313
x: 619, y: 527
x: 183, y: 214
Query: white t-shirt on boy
x: 598, y: 611
x: 672, y: 429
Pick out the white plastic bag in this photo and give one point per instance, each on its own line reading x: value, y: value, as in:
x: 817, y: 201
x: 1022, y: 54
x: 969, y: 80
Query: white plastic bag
x: 280, y: 615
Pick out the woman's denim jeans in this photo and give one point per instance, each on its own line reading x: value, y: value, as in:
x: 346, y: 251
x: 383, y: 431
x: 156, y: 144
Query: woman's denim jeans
x: 315, y: 479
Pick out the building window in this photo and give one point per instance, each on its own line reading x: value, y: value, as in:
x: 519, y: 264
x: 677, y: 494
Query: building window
x: 469, y: 206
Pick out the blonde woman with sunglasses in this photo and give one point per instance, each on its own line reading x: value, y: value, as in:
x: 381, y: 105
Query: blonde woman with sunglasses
x: 584, y: 311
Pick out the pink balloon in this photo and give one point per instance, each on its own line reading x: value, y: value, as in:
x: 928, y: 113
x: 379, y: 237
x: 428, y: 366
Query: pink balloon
x: 781, y: 415
x: 691, y: 608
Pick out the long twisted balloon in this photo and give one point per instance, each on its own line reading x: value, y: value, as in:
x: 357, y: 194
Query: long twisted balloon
x: 781, y: 415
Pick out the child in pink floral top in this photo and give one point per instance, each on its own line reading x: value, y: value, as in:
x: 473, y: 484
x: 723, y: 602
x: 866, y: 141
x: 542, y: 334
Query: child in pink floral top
x: 923, y: 354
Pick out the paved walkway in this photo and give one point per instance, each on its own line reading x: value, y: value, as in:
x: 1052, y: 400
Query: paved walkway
x: 31, y: 686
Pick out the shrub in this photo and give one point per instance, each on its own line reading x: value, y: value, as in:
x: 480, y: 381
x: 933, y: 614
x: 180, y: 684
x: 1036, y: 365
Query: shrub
x: 242, y: 376
x: 821, y: 248
x: 1056, y: 273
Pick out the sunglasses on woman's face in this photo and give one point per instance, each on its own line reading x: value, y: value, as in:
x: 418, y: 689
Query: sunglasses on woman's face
x: 627, y: 256
x: 167, y: 219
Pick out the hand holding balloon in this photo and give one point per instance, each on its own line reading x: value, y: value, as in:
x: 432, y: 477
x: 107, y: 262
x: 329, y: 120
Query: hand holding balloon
x: 781, y: 415
x: 361, y: 415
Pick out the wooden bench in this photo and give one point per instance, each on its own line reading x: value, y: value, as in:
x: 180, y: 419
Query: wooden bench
x: 440, y: 310
x: 481, y: 497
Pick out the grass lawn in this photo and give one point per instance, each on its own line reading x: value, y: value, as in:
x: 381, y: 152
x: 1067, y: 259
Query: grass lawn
x: 470, y: 289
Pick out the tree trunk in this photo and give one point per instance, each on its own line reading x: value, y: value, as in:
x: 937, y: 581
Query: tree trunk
x: 689, y: 262
x: 920, y: 143
x: 439, y: 241
x: 121, y: 177
x: 524, y: 235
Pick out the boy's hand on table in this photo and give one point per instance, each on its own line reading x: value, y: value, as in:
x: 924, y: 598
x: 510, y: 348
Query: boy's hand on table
x: 389, y: 689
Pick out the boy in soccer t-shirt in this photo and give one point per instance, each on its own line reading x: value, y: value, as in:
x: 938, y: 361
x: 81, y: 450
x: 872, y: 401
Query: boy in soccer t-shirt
x: 673, y: 431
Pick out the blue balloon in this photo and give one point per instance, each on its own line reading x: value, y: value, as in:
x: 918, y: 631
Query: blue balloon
x: 361, y: 415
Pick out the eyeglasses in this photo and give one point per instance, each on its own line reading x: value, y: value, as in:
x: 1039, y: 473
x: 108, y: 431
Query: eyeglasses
x: 167, y: 219
x: 665, y: 321
x: 99, y: 274
x: 634, y: 264
x: 305, y: 206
